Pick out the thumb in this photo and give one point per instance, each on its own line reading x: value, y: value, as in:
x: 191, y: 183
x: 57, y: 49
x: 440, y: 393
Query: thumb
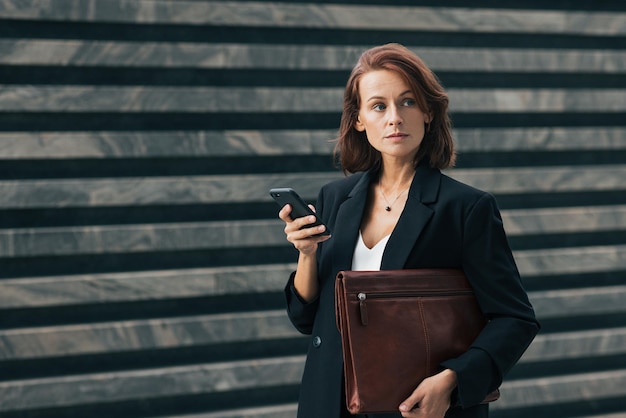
x: 412, y: 401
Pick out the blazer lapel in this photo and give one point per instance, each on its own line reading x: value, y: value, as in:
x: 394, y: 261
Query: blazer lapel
x: 348, y: 222
x: 414, y: 217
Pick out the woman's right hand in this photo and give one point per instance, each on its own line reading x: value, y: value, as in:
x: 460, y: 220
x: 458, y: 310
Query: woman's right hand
x: 305, y: 240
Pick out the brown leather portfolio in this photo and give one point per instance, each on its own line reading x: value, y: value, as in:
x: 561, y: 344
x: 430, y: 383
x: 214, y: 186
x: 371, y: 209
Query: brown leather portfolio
x: 397, y: 327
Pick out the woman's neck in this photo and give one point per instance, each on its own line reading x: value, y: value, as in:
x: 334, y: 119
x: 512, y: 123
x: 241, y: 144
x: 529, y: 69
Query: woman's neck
x: 395, y: 178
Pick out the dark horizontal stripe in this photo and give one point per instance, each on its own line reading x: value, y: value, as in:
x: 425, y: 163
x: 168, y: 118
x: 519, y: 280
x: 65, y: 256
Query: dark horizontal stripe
x: 561, y: 199
x: 583, y: 322
x: 127, y: 262
x: 53, y: 75
x: 40, y: 121
x: 573, y: 281
x: 39, y: 29
x: 120, y: 311
x: 168, y: 405
x: 111, y: 167
x: 582, y: 239
x: 571, y: 409
x: 77, y: 121
x: 227, y: 165
x: 135, y: 76
x: 539, y: 158
x: 33, y: 218
x: 568, y: 5
x: 558, y: 367
x: 143, y: 359
x: 533, y: 80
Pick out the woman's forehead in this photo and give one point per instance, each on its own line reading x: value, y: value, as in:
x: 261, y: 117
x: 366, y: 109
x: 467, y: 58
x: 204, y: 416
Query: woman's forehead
x: 382, y: 82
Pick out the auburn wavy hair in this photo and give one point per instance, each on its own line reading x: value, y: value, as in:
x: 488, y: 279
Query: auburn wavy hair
x: 353, y: 151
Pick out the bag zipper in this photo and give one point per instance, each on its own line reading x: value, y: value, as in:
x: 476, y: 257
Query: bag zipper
x: 362, y: 297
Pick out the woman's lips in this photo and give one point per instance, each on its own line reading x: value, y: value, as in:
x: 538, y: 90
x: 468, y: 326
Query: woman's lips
x: 396, y: 135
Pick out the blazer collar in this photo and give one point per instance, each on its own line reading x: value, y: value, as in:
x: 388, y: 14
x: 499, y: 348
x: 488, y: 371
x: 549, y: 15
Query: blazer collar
x: 348, y: 222
x: 416, y: 214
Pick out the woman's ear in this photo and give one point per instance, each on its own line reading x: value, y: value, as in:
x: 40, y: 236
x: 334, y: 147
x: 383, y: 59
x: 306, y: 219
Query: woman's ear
x: 358, y: 125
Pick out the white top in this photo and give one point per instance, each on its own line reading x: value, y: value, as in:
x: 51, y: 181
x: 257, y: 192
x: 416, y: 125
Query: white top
x: 368, y: 258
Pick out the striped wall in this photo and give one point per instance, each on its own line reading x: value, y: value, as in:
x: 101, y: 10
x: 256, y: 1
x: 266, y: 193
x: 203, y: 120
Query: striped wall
x: 141, y: 259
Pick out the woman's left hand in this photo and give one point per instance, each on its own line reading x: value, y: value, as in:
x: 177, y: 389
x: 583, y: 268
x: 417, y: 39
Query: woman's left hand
x: 431, y: 398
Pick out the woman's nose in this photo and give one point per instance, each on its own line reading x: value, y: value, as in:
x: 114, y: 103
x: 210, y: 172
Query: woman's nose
x: 394, y: 116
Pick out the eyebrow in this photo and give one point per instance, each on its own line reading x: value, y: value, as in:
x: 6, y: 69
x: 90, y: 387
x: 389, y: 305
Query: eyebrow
x: 408, y: 92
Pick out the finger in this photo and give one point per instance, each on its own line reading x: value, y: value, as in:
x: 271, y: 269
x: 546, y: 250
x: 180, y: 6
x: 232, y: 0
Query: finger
x: 284, y: 213
x: 308, y: 244
x: 412, y: 401
x: 415, y: 413
x: 299, y: 224
x: 316, y: 230
x: 298, y: 231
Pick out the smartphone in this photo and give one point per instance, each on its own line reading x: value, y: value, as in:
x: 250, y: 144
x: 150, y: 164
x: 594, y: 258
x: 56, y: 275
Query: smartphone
x: 299, y: 208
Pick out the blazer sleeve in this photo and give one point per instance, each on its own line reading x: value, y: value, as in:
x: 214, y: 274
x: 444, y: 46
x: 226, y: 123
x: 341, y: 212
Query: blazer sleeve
x: 302, y: 313
x: 490, y: 268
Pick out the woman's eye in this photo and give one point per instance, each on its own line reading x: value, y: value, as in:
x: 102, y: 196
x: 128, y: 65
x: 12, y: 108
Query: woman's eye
x: 408, y: 102
x: 379, y: 107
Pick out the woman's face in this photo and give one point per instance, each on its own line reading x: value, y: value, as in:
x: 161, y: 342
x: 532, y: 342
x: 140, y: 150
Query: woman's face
x: 390, y: 116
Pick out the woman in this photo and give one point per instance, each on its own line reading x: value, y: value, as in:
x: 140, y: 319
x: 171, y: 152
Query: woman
x: 397, y: 210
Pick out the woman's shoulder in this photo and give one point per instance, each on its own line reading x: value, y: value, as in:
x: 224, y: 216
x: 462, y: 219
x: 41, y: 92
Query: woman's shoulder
x: 458, y: 190
x: 344, y: 185
x: 337, y: 191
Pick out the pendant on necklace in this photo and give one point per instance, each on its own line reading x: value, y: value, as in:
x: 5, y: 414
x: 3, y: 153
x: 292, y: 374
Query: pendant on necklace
x: 388, y: 208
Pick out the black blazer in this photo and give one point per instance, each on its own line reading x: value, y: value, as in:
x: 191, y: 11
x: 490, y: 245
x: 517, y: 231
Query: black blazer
x: 445, y: 224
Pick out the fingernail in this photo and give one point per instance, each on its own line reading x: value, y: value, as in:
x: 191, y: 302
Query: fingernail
x: 321, y: 228
x: 403, y: 408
